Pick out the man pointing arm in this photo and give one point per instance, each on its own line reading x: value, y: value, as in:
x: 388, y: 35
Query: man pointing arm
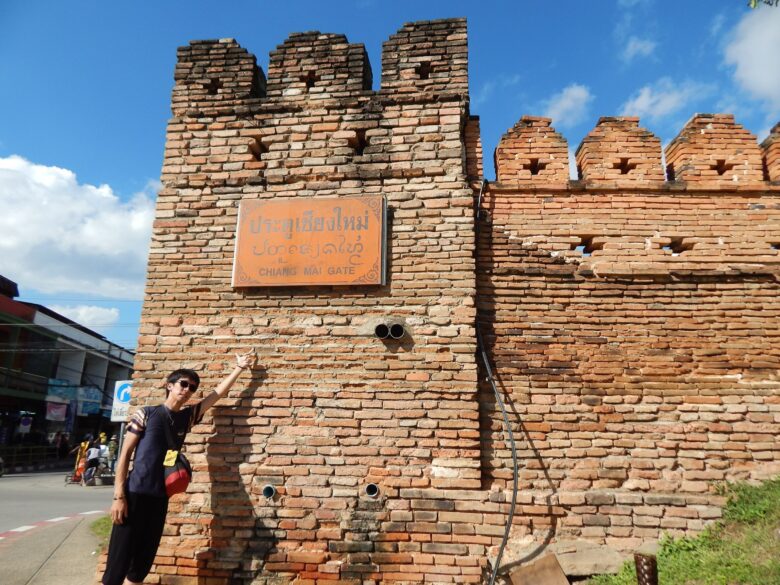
x: 140, y: 500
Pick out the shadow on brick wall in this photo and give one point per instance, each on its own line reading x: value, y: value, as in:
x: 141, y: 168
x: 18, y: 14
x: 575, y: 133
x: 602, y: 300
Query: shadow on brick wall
x: 243, y: 523
x: 537, y: 512
x: 544, y: 518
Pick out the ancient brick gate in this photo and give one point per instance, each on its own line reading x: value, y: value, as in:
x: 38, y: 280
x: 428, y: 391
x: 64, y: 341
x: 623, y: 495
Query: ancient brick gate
x: 632, y: 321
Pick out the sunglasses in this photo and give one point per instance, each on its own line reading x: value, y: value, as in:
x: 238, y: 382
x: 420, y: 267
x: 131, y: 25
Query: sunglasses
x: 187, y: 385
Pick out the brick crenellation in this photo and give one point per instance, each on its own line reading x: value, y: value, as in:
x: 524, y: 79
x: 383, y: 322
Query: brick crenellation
x: 712, y: 151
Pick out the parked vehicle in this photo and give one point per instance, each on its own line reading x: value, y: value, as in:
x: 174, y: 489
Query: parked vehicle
x: 2, y: 467
x: 100, y: 475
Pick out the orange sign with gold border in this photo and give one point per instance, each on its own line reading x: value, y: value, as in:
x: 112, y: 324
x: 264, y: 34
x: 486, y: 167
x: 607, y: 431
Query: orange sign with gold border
x: 310, y: 241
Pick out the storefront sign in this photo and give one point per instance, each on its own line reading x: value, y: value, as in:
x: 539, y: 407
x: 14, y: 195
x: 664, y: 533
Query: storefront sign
x: 334, y: 241
x: 56, y: 411
x: 60, y: 391
x: 90, y: 398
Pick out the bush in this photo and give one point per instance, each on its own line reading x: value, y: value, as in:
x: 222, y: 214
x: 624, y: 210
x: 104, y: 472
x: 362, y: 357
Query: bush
x: 741, y: 549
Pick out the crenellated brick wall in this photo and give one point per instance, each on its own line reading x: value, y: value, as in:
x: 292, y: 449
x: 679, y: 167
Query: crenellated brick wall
x: 631, y: 322
x: 335, y: 408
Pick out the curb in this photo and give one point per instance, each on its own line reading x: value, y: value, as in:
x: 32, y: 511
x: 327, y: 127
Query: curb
x: 15, y: 532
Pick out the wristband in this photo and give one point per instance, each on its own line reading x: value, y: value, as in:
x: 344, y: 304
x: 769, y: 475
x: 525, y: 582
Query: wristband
x: 119, y: 497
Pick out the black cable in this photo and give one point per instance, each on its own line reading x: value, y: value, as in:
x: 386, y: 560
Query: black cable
x: 31, y: 325
x: 20, y: 349
x: 491, y: 379
x: 15, y: 375
x: 76, y: 300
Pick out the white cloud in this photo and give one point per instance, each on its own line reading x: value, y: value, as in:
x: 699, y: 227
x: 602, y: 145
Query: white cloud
x: 99, y: 318
x: 717, y: 24
x: 489, y: 88
x: 628, y: 10
x: 636, y: 47
x: 57, y: 235
x: 484, y: 93
x: 753, y: 51
x: 568, y: 107
x: 664, y: 98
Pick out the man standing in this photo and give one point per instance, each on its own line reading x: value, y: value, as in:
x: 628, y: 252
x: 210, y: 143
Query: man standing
x: 93, y: 461
x: 140, y: 500
x: 112, y: 453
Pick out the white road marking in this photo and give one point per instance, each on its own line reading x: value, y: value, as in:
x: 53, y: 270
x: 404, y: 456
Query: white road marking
x: 92, y: 512
x: 58, y: 519
x: 22, y: 529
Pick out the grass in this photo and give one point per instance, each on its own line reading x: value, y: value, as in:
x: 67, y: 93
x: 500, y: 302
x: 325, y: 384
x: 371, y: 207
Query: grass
x: 102, y: 529
x: 743, y: 548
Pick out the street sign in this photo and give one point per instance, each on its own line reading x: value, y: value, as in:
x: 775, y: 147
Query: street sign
x: 121, y: 407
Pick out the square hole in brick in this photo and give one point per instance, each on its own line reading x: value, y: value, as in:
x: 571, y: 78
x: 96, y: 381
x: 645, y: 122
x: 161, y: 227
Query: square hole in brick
x: 257, y: 148
x: 586, y: 247
x: 213, y: 86
x: 722, y: 167
x: 359, y: 141
x: 677, y: 246
x: 310, y: 79
x: 424, y: 70
x: 624, y: 165
x: 535, y: 165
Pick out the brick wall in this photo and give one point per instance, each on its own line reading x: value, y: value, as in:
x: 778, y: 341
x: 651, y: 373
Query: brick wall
x: 335, y: 408
x: 631, y: 322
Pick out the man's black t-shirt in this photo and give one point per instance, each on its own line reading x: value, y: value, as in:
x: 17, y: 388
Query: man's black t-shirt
x: 148, y: 476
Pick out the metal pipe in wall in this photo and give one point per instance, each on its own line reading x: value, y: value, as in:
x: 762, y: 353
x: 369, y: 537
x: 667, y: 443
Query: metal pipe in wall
x: 397, y: 331
x: 382, y: 331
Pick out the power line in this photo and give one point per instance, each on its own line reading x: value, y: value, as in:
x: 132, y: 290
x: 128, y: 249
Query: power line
x: 47, y: 341
x: 51, y: 345
x: 50, y: 350
x: 41, y: 329
x: 42, y: 326
x: 78, y: 300
x: 85, y: 375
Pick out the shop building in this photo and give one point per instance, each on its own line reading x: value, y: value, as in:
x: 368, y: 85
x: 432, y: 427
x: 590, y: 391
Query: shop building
x: 55, y: 374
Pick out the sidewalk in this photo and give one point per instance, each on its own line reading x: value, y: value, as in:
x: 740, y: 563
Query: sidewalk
x: 58, y: 554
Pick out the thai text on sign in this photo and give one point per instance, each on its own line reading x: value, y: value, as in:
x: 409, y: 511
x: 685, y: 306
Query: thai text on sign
x: 290, y: 242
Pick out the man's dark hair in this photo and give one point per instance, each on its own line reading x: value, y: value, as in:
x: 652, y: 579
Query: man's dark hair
x: 174, y: 377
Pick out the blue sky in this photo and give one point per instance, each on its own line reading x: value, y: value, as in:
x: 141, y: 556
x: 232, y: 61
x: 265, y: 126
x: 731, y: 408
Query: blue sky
x: 86, y: 96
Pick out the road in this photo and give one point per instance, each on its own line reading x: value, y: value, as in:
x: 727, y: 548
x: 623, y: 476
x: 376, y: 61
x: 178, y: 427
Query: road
x: 27, y: 498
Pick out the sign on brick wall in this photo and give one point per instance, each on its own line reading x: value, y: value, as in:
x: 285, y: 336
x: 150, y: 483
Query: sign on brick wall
x: 311, y: 241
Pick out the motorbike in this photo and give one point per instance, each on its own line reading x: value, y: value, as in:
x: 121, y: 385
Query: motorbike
x: 99, y: 475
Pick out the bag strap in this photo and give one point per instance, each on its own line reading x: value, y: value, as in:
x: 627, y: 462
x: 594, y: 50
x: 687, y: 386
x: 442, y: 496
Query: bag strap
x: 168, y: 432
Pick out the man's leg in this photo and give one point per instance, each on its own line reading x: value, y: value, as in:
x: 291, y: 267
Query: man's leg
x: 120, y: 548
x: 151, y: 512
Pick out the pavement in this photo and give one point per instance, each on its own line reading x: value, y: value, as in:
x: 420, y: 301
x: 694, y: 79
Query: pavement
x: 60, y: 552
